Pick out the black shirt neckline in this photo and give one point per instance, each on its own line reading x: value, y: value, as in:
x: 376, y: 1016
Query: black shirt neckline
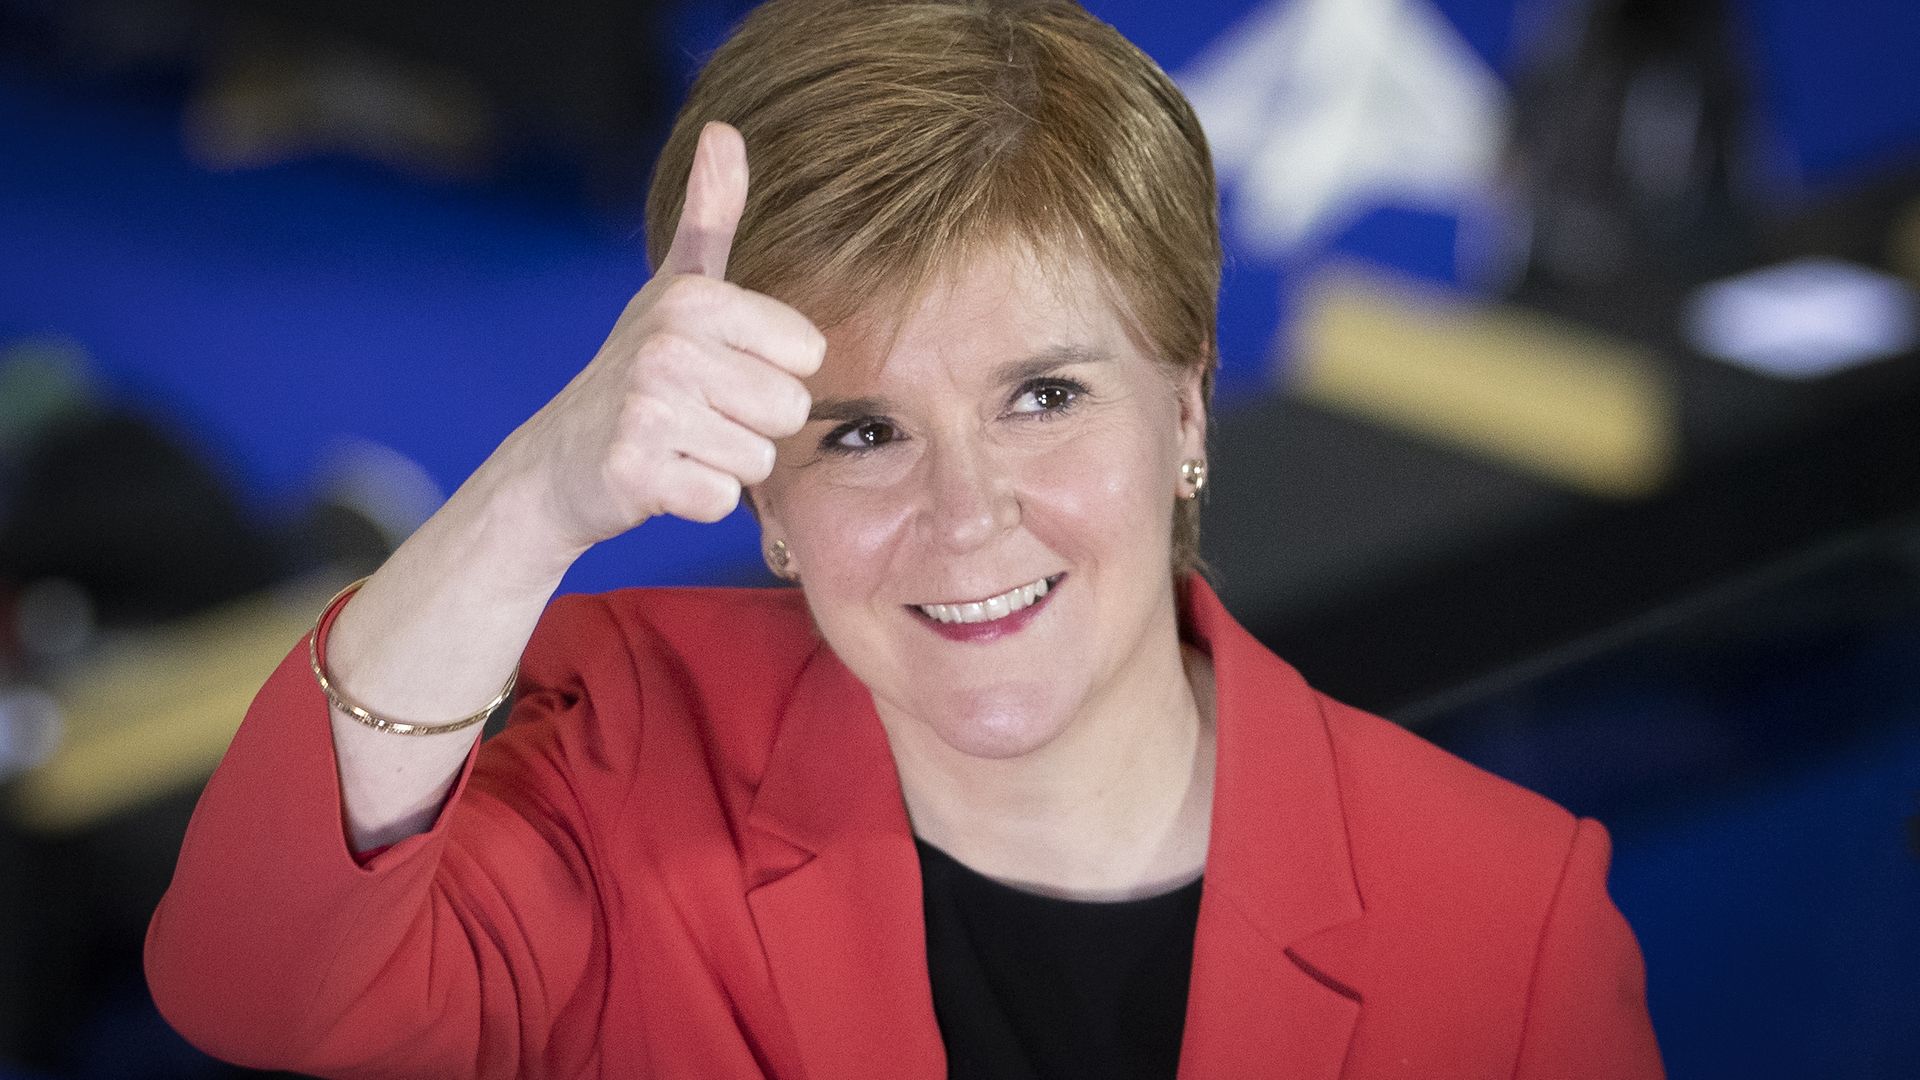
x: 1028, y: 986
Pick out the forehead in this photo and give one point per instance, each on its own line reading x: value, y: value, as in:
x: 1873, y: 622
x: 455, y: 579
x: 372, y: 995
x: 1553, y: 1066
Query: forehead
x: 980, y: 308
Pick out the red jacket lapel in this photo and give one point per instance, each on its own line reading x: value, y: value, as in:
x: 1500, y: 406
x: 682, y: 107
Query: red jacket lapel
x: 1278, y: 873
x: 834, y: 888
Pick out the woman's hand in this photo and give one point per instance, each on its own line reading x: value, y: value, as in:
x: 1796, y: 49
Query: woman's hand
x: 675, y: 414
x: 679, y: 410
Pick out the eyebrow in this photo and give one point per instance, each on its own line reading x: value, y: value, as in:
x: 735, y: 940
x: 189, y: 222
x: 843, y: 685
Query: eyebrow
x: 1048, y: 360
x: 1012, y: 373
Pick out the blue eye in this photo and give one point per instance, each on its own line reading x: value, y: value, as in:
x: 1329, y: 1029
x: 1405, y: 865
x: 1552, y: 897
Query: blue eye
x: 859, y: 436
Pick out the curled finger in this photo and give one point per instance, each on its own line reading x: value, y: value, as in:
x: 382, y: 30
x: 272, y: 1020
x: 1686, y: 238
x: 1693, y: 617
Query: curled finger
x: 721, y: 443
x: 697, y: 491
x: 755, y: 394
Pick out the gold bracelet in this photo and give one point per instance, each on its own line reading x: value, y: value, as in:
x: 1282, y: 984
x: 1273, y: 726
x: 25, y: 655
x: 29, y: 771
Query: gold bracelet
x: 315, y: 653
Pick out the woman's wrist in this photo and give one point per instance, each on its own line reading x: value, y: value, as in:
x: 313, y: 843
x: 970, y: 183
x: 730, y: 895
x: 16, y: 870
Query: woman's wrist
x: 437, y: 628
x: 507, y: 516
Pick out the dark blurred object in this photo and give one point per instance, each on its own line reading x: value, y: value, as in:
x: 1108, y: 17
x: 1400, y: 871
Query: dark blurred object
x: 102, y: 498
x: 119, y: 541
x: 578, y: 88
x: 1755, y: 678
x: 1406, y: 577
x: 1631, y: 144
x: 105, y: 521
x: 278, y: 97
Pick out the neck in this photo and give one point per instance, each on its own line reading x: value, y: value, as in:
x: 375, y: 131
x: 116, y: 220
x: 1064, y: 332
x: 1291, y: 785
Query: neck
x: 1116, y: 807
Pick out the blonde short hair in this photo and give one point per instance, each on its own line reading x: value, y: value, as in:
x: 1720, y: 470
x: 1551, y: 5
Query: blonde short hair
x: 884, y: 137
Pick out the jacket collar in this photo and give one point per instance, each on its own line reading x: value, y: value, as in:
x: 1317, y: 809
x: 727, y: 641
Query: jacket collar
x: 834, y: 880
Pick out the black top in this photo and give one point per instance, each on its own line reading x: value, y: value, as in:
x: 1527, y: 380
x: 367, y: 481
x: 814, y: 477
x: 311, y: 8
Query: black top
x: 1029, y: 987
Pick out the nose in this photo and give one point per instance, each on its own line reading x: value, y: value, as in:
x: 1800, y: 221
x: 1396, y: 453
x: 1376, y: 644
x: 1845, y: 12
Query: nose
x: 970, y: 497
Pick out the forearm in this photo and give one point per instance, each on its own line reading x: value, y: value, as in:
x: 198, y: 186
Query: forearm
x: 431, y: 637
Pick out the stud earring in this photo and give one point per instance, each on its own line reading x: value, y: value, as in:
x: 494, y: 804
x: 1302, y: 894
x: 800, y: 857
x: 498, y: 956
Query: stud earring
x: 778, y: 560
x: 1194, y: 472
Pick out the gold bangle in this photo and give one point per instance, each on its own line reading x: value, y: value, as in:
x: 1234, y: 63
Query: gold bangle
x: 316, y: 652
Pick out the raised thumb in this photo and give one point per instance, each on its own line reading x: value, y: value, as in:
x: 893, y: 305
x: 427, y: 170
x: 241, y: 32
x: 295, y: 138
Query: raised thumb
x: 716, y: 196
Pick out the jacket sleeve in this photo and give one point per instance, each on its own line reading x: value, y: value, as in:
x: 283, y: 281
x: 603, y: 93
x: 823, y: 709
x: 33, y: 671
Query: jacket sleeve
x: 1587, y: 1007
x: 451, y: 953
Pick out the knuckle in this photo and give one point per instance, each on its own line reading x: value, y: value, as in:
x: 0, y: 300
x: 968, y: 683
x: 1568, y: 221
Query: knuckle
x: 645, y: 412
x: 662, y: 350
x: 686, y: 295
x: 625, y: 468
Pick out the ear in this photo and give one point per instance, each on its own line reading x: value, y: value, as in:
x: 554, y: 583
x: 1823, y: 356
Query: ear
x: 1193, y: 415
x: 761, y: 506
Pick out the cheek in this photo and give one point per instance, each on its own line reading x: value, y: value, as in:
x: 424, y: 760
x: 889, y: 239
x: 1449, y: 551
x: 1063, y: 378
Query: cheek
x: 841, y: 533
x: 1104, y: 485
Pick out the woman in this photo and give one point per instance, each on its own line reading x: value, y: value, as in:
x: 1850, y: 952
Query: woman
x: 1000, y: 789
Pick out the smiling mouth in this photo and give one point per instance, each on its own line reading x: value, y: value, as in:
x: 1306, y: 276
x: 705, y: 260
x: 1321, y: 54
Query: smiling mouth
x: 993, y: 607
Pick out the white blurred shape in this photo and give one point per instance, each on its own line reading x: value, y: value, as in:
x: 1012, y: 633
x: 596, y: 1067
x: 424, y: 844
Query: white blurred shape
x: 29, y: 728
x: 1318, y: 110
x: 390, y: 488
x: 1804, y: 319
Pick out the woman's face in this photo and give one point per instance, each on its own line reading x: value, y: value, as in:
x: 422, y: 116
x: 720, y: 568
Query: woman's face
x: 1007, y: 435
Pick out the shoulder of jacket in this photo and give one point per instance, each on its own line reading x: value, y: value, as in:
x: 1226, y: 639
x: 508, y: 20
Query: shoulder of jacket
x: 693, y: 651
x: 1433, y: 831
x: 701, y: 626
x: 716, y: 664
x: 1463, y: 877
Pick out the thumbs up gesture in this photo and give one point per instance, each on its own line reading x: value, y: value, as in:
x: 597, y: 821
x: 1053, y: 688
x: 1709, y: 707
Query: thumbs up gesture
x: 679, y: 409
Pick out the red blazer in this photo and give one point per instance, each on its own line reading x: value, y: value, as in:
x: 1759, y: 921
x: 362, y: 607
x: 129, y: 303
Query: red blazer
x: 688, y: 856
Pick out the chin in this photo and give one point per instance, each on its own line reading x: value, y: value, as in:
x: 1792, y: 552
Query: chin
x: 999, y: 730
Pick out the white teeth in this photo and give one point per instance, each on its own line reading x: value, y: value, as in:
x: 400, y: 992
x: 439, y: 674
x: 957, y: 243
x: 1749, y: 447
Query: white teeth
x: 994, y: 607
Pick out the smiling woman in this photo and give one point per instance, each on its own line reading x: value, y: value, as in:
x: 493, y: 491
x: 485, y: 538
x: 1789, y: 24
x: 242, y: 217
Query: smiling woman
x: 1013, y: 436
x: 991, y: 793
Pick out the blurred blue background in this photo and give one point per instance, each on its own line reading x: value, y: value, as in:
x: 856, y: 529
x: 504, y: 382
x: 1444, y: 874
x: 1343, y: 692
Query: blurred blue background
x: 275, y: 276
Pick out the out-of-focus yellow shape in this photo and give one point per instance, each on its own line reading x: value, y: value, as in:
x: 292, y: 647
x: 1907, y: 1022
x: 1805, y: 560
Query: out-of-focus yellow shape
x: 1903, y: 243
x: 1537, y: 393
x: 152, y: 714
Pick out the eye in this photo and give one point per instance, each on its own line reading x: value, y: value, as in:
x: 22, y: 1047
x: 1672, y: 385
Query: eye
x: 858, y: 436
x: 1043, y: 397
